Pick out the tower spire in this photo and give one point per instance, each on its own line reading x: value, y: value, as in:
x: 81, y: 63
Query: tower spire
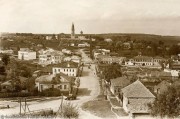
x: 72, y: 31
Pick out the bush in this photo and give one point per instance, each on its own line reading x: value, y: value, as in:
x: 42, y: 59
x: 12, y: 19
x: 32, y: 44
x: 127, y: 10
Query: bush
x: 70, y: 111
x: 51, y: 92
x: 16, y: 94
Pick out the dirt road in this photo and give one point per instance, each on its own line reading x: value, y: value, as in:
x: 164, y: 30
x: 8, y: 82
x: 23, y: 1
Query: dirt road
x: 88, y: 90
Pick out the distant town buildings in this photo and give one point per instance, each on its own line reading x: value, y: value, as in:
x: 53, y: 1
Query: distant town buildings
x: 110, y: 59
x: 145, y: 61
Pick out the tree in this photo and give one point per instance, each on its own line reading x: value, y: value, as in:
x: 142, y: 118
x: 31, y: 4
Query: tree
x: 112, y: 71
x: 174, y: 50
x: 2, y: 70
x: 167, y: 104
x: 6, y: 59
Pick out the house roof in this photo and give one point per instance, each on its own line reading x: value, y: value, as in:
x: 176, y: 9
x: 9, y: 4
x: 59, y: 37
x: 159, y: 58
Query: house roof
x: 143, y: 57
x: 68, y: 64
x: 47, y: 79
x: 158, y: 57
x: 22, y: 79
x: 7, y: 83
x: 120, y: 81
x: 136, y: 89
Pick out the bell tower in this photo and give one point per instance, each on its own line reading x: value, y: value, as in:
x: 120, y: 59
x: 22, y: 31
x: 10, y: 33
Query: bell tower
x: 72, y: 31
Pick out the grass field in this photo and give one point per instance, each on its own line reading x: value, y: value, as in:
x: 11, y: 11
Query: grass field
x: 100, y: 108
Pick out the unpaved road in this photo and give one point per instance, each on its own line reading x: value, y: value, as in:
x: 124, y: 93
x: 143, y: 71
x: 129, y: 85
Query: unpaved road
x: 88, y: 90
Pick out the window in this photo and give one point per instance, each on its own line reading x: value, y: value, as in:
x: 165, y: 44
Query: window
x: 59, y: 70
x: 55, y: 70
x: 60, y: 86
x: 64, y: 69
x: 65, y: 86
x: 41, y: 87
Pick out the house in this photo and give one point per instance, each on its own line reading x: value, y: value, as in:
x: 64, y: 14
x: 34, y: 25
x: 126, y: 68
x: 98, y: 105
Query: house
x: 7, y: 86
x: 175, y: 66
x: 118, y: 83
x: 51, y: 58
x: 108, y: 40
x: 73, y: 58
x: 162, y: 87
x: 26, y: 54
x: 136, y: 98
x: 6, y: 51
x: 129, y: 62
x: 175, y: 74
x: 69, y: 68
x: 76, y: 59
x: 155, y: 75
x: 59, y: 81
x: 66, y: 51
x: 67, y: 58
x: 157, y: 60
x: 143, y: 60
x: 110, y: 59
x: 126, y: 45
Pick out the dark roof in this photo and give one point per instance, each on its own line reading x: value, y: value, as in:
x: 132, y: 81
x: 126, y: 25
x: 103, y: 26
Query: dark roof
x: 48, y: 79
x: 120, y: 81
x: 69, y: 64
x: 143, y: 57
x: 137, y: 89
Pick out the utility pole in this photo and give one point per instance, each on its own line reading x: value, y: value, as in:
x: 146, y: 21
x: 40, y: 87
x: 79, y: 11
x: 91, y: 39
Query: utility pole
x: 25, y: 105
x: 20, y: 105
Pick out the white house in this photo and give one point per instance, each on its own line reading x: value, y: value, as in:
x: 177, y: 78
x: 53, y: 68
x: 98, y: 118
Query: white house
x: 66, y: 51
x: 68, y: 68
x: 6, y: 51
x: 26, y: 54
x: 53, y: 57
x: 76, y: 59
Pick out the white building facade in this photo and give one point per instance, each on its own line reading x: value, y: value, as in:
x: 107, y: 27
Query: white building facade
x: 26, y: 55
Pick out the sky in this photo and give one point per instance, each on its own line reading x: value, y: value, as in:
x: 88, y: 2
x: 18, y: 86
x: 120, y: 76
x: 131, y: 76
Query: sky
x: 160, y: 17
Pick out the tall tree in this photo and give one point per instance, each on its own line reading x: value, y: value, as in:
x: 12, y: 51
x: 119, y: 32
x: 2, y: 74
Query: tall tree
x: 112, y: 71
x: 167, y: 104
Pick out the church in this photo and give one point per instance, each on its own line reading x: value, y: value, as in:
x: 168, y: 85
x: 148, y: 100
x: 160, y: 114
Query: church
x: 79, y: 37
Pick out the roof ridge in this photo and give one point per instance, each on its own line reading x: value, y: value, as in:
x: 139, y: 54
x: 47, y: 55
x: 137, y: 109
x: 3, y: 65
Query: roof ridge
x: 137, y: 89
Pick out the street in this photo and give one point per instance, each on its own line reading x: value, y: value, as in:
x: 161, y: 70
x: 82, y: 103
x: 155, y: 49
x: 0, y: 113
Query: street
x: 88, y: 90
